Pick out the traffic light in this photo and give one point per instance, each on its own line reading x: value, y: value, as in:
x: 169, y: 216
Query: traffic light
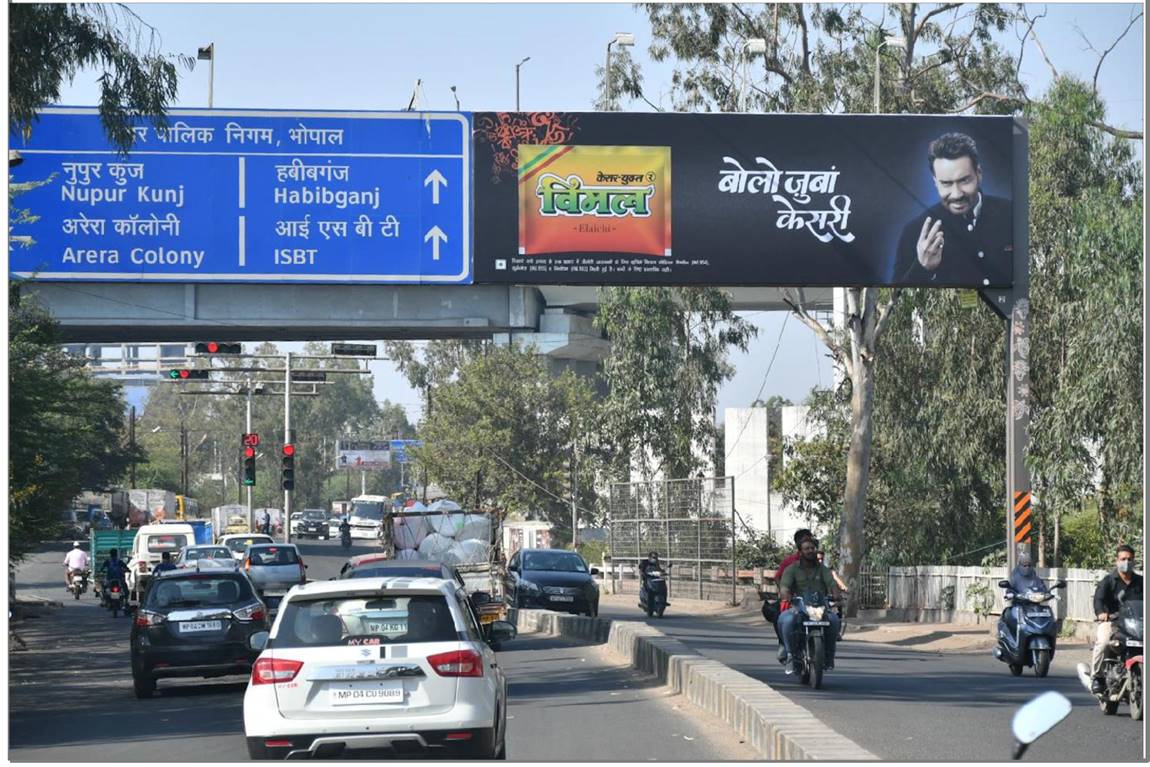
x: 249, y: 466
x: 289, y: 466
x: 188, y: 374
x: 214, y: 347
x: 353, y: 350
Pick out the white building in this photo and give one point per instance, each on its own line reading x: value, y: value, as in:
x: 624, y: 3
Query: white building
x: 746, y: 447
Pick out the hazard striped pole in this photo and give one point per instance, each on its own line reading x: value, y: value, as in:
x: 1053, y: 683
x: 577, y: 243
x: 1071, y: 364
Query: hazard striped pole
x: 1023, y: 518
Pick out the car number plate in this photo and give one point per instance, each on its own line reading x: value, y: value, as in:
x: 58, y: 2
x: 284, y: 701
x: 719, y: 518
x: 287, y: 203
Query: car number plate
x: 816, y: 623
x: 190, y: 627
x: 562, y: 599
x: 362, y: 694
x: 488, y: 618
x: 1133, y: 643
x: 387, y: 627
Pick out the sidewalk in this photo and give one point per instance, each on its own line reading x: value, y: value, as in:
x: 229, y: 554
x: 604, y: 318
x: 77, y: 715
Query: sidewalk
x: 926, y: 637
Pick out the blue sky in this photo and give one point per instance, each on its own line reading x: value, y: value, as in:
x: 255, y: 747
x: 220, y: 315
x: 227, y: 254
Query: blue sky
x: 369, y: 56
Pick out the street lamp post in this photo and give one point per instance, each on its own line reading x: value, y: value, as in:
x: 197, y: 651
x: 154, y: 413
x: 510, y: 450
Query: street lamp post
x: 621, y: 38
x: 456, y: 97
x: 208, y: 53
x: 754, y: 45
x: 521, y: 63
x: 897, y: 42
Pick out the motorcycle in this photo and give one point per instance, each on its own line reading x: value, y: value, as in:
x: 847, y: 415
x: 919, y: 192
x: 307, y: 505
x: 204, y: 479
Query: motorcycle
x: 345, y: 539
x: 811, y: 651
x: 114, y: 598
x: 653, y: 592
x: 79, y: 583
x: 1121, y: 669
x: 1027, y: 633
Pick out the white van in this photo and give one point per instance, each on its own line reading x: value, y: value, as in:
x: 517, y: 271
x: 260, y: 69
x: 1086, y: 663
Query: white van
x: 148, y: 547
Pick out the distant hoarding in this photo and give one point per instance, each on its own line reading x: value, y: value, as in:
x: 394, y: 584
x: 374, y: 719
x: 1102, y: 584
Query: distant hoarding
x: 770, y: 200
x: 399, y: 449
x: 363, y: 456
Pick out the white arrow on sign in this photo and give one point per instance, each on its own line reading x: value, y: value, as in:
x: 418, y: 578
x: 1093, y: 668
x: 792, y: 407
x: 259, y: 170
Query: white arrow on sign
x: 436, y: 179
x: 436, y: 235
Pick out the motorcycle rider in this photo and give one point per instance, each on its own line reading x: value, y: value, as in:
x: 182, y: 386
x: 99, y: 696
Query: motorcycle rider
x: 165, y: 564
x: 75, y: 561
x: 115, y: 571
x: 790, y: 559
x: 804, y: 578
x: 1122, y: 585
x: 1024, y: 578
x: 650, y: 563
x: 344, y: 530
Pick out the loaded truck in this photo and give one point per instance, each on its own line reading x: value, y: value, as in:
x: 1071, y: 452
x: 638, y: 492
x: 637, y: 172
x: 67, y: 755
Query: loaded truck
x: 230, y: 519
x: 150, y: 506
x: 468, y: 541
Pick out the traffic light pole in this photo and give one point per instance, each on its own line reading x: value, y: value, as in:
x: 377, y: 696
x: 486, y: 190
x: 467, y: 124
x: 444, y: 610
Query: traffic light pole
x: 287, y: 441
x: 248, y: 430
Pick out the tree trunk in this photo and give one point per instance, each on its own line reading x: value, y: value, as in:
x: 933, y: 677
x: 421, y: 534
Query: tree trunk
x: 852, y: 545
x: 1055, y: 556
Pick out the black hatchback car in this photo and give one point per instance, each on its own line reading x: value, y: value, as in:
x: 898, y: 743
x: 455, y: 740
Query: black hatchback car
x: 312, y: 524
x: 194, y: 624
x: 551, y: 579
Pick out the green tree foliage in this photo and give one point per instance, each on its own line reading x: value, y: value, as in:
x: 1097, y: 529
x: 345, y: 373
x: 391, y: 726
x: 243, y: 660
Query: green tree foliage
x: 1086, y: 214
x: 668, y: 358
x: 49, y: 44
x: 502, y: 432
x: 345, y: 409
x: 65, y: 429
x: 940, y: 398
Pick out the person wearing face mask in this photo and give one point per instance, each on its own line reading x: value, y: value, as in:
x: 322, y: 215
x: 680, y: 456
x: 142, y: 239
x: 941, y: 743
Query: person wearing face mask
x: 650, y: 563
x: 1122, y: 585
x: 1025, y: 579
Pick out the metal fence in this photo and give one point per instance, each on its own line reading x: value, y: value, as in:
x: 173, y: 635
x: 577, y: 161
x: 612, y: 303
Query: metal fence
x: 690, y: 522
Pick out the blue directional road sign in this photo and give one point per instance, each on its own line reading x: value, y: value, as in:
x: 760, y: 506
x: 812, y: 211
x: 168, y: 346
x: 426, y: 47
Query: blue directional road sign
x: 249, y: 196
x: 399, y: 449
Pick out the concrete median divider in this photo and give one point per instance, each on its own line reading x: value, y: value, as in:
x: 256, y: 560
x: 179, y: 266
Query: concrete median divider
x: 776, y: 727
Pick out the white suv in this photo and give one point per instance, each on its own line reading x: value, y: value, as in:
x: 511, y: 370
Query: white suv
x: 393, y: 665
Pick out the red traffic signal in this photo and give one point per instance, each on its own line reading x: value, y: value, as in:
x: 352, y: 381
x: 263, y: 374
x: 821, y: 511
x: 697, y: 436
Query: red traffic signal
x: 215, y: 347
x: 185, y: 374
x: 289, y: 449
x: 249, y: 452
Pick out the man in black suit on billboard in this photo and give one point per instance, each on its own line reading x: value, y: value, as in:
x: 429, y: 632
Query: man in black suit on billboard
x: 967, y: 238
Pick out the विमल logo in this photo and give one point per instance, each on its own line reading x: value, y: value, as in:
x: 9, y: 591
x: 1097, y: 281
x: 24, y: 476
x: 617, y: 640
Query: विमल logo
x: 571, y: 197
x: 595, y: 199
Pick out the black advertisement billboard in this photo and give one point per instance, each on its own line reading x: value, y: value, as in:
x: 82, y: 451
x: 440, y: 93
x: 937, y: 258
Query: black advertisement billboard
x: 756, y: 200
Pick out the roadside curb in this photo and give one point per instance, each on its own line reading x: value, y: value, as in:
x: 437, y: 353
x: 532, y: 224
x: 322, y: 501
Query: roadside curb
x: 766, y: 719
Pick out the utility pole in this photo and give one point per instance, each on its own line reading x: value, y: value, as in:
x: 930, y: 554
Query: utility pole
x: 184, y: 456
x: 132, y: 444
x: 574, y: 496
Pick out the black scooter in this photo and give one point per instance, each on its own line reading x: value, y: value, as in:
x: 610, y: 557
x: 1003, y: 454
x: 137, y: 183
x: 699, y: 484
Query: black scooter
x: 345, y: 539
x: 1027, y: 632
x: 653, y: 591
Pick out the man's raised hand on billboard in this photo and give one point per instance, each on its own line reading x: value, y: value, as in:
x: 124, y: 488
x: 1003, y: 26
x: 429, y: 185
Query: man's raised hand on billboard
x: 929, y: 245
